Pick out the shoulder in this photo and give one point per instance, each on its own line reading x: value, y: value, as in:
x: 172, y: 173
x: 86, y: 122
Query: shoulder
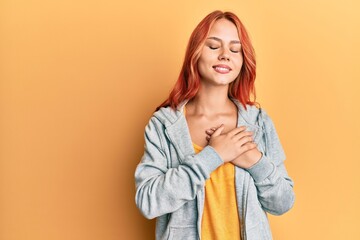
x: 167, y: 115
x: 155, y: 128
x: 161, y: 119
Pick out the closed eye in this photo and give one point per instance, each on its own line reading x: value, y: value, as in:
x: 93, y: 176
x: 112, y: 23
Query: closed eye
x: 233, y: 51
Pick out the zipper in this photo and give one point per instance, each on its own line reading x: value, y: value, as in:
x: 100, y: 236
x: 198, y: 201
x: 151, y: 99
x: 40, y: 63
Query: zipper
x: 200, y: 197
x: 262, y: 126
x: 245, y: 200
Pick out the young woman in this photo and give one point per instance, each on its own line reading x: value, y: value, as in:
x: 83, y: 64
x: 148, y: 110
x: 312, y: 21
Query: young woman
x: 213, y: 163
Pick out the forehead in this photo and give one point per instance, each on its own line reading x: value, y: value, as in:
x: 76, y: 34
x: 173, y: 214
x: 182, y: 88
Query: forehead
x: 224, y: 29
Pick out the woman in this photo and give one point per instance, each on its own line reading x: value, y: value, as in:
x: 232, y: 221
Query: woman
x: 213, y: 163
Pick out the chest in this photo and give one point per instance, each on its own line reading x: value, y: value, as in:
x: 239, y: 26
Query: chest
x: 181, y: 136
x: 198, y: 125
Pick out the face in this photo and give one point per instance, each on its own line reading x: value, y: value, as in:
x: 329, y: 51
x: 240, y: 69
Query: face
x: 221, y: 59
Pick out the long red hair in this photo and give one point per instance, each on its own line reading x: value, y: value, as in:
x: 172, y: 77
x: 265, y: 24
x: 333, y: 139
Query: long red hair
x: 188, y: 82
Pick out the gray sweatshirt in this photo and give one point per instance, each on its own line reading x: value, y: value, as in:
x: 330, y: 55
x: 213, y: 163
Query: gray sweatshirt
x: 170, y: 178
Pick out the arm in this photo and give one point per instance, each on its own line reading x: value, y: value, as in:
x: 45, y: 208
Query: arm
x: 274, y: 186
x: 161, y: 190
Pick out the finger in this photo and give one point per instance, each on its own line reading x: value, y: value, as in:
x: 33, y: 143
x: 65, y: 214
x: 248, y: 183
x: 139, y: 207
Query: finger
x: 218, y: 131
x: 237, y: 130
x: 213, y: 129
x: 240, y: 135
x: 210, y: 131
x: 248, y: 146
x: 244, y: 140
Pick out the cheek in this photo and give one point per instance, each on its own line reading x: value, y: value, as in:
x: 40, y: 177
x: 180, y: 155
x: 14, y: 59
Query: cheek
x: 238, y: 63
x: 201, y: 67
x: 203, y: 63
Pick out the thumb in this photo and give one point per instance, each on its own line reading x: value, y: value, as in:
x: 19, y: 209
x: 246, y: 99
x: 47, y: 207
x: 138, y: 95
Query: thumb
x: 218, y: 130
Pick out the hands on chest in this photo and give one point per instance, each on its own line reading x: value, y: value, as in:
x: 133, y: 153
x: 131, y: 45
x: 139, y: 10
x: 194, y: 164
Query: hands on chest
x: 235, y: 146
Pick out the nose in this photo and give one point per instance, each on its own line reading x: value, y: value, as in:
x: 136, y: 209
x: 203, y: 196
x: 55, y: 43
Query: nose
x: 224, y: 55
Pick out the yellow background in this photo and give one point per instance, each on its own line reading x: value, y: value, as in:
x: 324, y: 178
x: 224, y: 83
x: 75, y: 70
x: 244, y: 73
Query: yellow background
x: 80, y: 79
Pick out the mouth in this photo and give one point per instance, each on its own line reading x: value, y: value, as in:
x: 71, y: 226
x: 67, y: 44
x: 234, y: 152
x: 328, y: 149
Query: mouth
x: 222, y: 68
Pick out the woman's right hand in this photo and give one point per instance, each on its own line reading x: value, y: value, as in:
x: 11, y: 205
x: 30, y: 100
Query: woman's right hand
x: 231, y: 144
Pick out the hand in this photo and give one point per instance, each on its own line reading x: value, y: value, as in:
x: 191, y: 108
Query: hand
x: 245, y: 160
x: 232, y: 144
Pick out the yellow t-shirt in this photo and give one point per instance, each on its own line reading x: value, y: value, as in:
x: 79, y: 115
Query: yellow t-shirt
x: 220, y: 219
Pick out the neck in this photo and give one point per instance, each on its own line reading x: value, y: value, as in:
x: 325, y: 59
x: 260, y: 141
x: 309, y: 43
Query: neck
x: 211, y: 100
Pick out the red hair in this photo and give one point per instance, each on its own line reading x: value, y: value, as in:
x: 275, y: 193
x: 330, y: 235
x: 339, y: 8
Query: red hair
x: 188, y: 82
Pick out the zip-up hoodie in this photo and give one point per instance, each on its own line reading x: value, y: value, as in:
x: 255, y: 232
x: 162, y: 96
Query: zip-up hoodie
x: 170, y: 178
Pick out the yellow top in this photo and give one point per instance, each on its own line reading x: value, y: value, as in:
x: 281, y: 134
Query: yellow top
x: 220, y: 219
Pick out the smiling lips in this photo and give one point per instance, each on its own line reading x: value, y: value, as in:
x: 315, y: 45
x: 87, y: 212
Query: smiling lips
x: 221, y: 68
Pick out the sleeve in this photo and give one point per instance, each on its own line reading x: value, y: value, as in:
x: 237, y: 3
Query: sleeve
x: 274, y: 186
x: 161, y: 190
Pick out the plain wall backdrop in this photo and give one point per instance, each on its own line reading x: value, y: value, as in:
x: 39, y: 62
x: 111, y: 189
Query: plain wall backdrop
x: 79, y: 81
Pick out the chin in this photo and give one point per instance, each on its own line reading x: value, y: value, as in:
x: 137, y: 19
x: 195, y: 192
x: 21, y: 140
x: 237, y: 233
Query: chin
x: 219, y: 81
x: 225, y: 81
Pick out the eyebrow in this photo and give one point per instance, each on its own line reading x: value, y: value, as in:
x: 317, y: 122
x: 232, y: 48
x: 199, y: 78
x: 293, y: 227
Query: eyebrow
x: 219, y: 40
